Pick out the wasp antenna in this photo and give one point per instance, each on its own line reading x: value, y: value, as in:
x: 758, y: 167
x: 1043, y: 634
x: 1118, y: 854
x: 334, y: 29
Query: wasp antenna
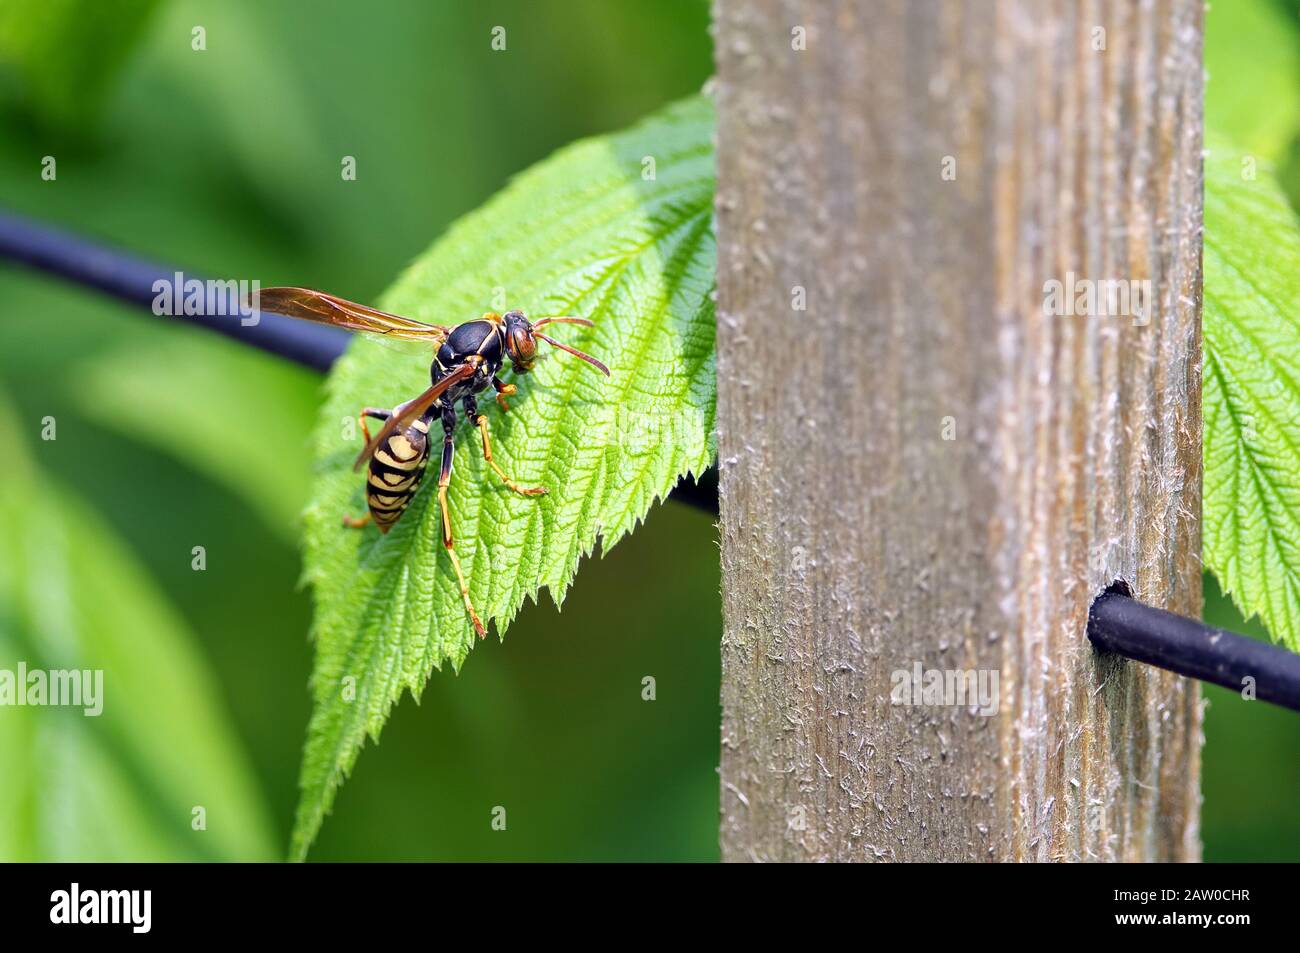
x: 542, y: 322
x: 574, y: 351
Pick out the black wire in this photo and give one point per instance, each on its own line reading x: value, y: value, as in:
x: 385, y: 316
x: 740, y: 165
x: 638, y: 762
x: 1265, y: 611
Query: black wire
x: 128, y: 278
x: 131, y: 279
x: 1120, y: 624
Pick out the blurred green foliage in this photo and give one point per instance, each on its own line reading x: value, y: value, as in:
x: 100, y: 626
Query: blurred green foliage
x: 1252, y: 64
x: 58, y: 57
x: 113, y: 774
x: 227, y: 161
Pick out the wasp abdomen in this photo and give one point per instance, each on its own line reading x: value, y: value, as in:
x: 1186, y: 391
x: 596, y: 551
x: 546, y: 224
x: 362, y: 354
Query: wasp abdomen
x: 396, y: 470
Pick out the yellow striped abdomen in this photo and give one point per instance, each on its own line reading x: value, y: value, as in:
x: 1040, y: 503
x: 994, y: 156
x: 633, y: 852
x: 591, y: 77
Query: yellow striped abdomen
x: 395, y: 473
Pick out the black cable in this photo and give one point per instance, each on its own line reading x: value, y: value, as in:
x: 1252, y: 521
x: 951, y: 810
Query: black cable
x: 123, y: 276
x: 1120, y: 624
x: 128, y: 278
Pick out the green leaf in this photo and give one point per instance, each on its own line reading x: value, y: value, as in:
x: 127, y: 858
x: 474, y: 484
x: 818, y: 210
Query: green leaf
x: 1251, y: 391
x: 123, y: 784
x: 619, y: 229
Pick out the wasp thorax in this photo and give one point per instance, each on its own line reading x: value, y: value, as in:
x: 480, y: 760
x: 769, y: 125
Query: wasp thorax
x: 521, y: 345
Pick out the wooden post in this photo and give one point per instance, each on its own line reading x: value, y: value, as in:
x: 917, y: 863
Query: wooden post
x: 919, y: 466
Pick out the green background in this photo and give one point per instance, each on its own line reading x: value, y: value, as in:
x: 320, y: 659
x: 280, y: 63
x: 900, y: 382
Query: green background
x: 227, y: 161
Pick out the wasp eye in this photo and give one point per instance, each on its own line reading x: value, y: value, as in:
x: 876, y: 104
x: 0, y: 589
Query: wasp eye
x: 522, y: 347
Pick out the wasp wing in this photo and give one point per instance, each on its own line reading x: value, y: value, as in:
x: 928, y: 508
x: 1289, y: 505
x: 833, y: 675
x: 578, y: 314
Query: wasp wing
x: 322, y: 308
x: 413, y: 409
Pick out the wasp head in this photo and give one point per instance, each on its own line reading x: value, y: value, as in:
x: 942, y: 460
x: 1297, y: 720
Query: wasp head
x: 522, y: 336
x: 521, y: 342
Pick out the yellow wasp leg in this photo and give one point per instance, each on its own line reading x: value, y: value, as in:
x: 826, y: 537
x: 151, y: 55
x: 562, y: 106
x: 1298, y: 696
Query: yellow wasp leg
x: 357, y: 522
x: 504, y: 391
x: 482, y: 423
x: 444, y: 478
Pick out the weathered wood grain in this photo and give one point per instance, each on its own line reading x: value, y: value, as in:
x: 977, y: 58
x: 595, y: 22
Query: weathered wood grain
x: 856, y: 540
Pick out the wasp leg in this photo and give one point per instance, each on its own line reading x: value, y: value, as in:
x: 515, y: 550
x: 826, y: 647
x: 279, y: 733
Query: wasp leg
x: 496, y: 467
x: 503, y: 391
x: 481, y: 421
x: 357, y: 522
x: 371, y: 412
x: 444, y: 478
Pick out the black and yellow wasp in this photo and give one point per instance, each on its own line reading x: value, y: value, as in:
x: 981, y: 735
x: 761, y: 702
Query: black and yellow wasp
x: 468, y: 360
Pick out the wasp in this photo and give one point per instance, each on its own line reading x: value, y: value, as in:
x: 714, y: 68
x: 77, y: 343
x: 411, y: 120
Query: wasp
x: 467, y: 361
